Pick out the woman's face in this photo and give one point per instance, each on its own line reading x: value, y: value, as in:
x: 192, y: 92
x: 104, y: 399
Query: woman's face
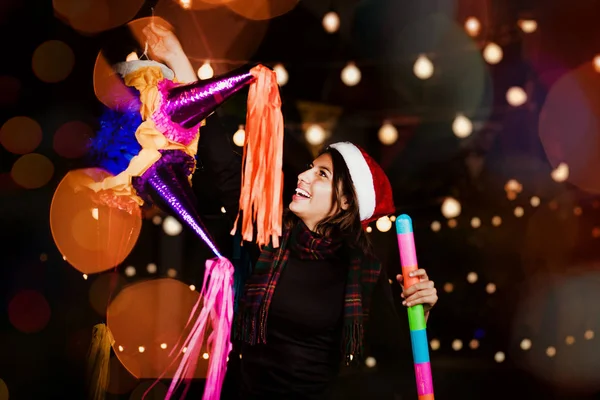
x: 313, y: 200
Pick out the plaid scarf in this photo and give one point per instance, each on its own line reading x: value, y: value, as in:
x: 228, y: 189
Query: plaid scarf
x: 251, y: 320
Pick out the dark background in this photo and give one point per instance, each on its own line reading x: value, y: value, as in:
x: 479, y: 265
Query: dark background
x: 543, y: 264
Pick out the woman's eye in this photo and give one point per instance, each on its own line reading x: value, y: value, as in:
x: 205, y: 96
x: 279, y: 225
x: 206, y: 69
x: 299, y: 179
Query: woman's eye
x: 323, y: 174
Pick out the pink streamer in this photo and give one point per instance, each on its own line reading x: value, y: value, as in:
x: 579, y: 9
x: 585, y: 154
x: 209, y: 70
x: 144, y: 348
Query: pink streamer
x: 217, y: 293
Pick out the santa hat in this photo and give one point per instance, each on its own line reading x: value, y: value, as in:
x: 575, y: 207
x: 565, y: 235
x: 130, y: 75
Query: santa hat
x: 371, y: 184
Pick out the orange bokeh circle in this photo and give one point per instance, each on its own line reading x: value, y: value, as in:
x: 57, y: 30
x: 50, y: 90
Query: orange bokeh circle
x: 53, y: 61
x: 72, y: 138
x: 108, y: 85
x: 94, y: 231
x: 20, y: 135
x: 212, y: 34
x: 151, y: 316
x: 261, y: 9
x: 569, y: 126
x: 32, y: 171
x: 94, y: 16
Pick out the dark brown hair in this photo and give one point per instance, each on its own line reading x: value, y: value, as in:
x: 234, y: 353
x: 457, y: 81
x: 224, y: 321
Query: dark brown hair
x: 346, y: 223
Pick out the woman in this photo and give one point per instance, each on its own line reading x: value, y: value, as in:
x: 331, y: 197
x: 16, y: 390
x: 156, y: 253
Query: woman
x: 307, y: 306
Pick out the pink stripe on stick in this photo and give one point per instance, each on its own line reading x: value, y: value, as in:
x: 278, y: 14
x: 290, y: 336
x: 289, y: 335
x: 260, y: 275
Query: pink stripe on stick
x: 424, y: 379
x: 408, y: 255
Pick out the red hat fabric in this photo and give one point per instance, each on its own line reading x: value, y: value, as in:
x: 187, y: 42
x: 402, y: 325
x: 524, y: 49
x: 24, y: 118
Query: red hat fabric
x: 371, y: 184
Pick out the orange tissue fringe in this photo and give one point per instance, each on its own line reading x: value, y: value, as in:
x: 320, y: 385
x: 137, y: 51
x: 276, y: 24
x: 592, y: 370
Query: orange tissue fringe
x: 262, y: 179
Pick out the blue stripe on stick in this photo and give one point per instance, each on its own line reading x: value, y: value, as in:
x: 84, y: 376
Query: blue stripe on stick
x: 420, y: 346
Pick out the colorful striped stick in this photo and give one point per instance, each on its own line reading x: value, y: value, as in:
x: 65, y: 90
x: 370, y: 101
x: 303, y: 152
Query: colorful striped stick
x: 416, y: 315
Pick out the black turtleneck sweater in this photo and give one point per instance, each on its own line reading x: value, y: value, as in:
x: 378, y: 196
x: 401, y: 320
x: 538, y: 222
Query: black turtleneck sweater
x: 302, y: 353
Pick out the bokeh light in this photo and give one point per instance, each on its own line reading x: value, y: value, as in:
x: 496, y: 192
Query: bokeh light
x: 462, y: 126
x: 239, y: 137
x: 554, y: 310
x: 205, y: 71
x: 351, y: 75
x: 569, y: 128
x: 472, y: 26
x: 423, y: 67
x: 4, y: 393
x: 210, y: 34
x: 261, y: 9
x: 98, y: 15
x: 93, y: 231
x: 53, y: 61
x: 72, y: 138
x: 388, y: 134
x: 108, y: 86
x: 451, y: 207
x: 282, y: 74
x: 331, y: 22
x: 28, y: 311
x: 32, y: 171
x: 516, y: 96
x: 20, y: 135
x: 148, y: 314
x: 461, y: 82
x: 315, y: 134
x: 171, y: 226
x: 492, y: 53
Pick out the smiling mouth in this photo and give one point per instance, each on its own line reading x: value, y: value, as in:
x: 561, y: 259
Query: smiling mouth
x: 302, y: 193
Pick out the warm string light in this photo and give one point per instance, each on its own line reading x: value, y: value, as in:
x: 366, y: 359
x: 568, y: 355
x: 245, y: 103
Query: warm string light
x: 462, y: 126
x: 527, y: 25
x: 351, y: 74
x: 388, y: 134
x: 472, y: 26
x: 281, y: 73
x: 331, y: 22
x: 561, y: 173
x: 315, y: 134
x: 205, y: 71
x: 492, y: 53
x: 171, y: 226
x: 526, y: 344
x: 423, y: 67
x: 384, y: 224
x: 451, y: 208
x: 239, y: 137
x: 516, y: 96
x: 597, y: 63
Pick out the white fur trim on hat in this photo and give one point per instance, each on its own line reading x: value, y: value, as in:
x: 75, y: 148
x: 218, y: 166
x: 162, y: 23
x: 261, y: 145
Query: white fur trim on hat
x: 362, y: 178
x: 127, y: 67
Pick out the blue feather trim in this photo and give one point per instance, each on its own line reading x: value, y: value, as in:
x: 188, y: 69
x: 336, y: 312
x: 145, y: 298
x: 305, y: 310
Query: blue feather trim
x: 115, y: 144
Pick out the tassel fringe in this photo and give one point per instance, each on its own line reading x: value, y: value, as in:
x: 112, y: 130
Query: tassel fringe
x: 98, y: 362
x: 217, y: 310
x: 262, y: 180
x: 352, y: 340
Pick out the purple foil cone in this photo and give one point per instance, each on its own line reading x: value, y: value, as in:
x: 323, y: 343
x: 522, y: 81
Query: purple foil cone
x: 187, y: 105
x: 167, y: 185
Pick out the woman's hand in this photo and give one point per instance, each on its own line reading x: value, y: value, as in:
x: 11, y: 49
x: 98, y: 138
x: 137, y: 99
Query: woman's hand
x: 165, y: 47
x: 422, y: 292
x: 162, y: 43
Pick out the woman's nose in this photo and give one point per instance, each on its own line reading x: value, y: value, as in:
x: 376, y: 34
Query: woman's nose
x: 304, y: 176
